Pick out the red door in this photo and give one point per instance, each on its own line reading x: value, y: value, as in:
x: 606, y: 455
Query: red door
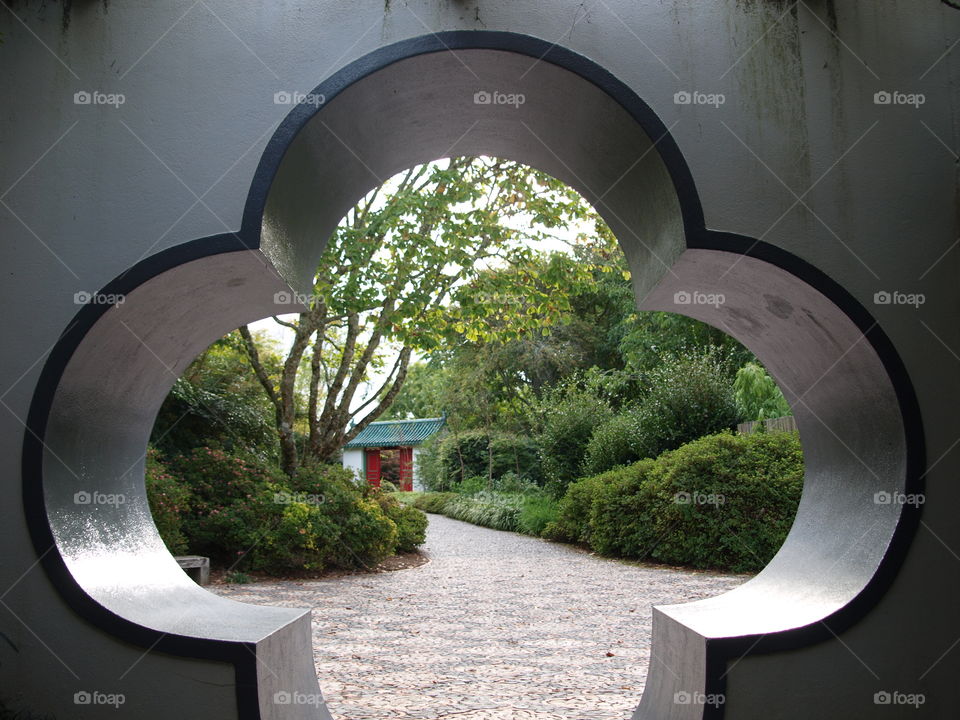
x: 406, y: 469
x: 373, y: 466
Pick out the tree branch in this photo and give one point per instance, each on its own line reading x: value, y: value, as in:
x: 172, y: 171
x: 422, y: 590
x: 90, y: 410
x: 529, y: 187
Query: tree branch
x: 403, y: 365
x: 253, y: 355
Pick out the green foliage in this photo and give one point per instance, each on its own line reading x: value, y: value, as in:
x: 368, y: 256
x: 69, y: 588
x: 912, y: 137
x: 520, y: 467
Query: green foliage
x: 422, y: 394
x: 575, y: 509
x: 757, y: 395
x: 525, y: 512
x: 619, y: 440
x: 169, y: 500
x: 433, y: 502
x: 411, y: 523
x: 488, y: 509
x: 686, y: 397
x: 245, y: 513
x: 217, y: 403
x: 236, y: 577
x: 474, y: 460
x: 471, y: 485
x: 723, y: 501
x: 570, y: 413
x: 537, y: 511
x: 429, y: 234
x: 648, y: 337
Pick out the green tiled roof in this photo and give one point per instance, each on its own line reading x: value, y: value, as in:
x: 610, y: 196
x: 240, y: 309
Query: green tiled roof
x: 395, y: 433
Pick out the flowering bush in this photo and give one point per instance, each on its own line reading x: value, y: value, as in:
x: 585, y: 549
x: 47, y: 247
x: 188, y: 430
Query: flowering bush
x: 169, y: 501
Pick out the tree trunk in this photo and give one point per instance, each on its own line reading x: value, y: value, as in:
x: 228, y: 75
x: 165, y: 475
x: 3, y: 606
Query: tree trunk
x: 288, y: 446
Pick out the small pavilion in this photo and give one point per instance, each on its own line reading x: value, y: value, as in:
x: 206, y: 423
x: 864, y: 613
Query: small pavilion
x: 364, y: 453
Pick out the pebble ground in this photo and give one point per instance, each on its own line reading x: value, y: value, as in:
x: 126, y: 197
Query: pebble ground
x: 497, y: 626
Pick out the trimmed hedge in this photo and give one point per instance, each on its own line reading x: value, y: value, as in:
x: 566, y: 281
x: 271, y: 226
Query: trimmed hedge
x: 724, y: 501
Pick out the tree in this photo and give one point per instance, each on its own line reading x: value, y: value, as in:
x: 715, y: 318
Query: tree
x: 408, y: 269
x: 422, y: 394
x: 757, y: 395
x: 217, y: 403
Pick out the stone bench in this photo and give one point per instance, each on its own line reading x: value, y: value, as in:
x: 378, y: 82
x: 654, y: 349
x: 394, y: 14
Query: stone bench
x: 197, y: 567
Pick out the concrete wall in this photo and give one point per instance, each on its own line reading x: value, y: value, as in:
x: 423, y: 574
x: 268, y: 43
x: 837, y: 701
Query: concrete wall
x: 353, y: 460
x: 417, y: 474
x: 799, y: 156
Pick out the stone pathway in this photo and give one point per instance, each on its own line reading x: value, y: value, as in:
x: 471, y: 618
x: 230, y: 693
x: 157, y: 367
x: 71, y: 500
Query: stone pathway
x: 496, y: 626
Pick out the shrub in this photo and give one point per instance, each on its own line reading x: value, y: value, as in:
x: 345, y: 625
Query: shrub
x: 537, y: 511
x: 366, y: 536
x: 621, y: 520
x: 617, y: 441
x: 759, y: 479
x: 246, y: 512
x: 575, y: 509
x: 407, y: 498
x: 355, y: 530
x: 528, y: 512
x: 724, y: 501
x: 169, y: 501
x: 207, y: 413
x: 411, y: 523
x: 470, y: 486
x: 232, y: 504
x: 687, y: 397
x: 510, y: 482
x: 570, y: 414
x: 488, y: 509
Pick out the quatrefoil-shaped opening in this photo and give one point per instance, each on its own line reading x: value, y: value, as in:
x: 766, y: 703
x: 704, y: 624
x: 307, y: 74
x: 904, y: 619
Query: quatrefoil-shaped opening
x: 412, y: 103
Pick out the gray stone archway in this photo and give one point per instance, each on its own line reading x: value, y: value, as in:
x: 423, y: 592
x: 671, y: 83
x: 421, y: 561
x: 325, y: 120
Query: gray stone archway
x: 123, y: 362
x: 806, y: 628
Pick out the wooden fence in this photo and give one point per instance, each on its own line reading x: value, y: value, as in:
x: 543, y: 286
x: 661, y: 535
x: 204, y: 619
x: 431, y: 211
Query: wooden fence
x: 780, y: 424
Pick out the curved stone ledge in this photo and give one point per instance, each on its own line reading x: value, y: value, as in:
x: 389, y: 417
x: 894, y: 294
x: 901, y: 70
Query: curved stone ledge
x: 108, y: 375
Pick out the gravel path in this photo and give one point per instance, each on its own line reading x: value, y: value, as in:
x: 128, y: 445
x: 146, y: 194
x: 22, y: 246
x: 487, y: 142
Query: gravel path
x: 496, y: 626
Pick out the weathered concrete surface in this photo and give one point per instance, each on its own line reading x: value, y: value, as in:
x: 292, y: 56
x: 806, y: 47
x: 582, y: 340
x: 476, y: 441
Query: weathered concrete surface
x: 800, y: 156
x: 497, y: 626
